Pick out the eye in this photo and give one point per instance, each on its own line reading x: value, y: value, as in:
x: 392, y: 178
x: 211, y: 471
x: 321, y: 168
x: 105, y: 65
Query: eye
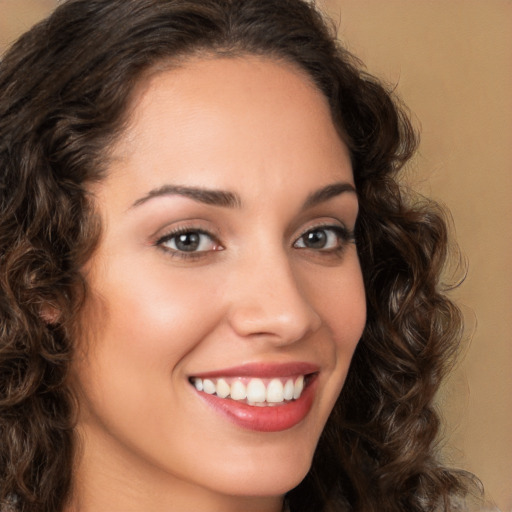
x: 188, y: 241
x: 325, y: 238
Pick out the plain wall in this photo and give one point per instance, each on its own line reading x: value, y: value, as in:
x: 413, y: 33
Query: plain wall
x: 451, y: 62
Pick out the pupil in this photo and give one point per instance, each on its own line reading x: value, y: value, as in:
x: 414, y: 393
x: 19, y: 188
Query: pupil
x: 187, y: 242
x: 316, y: 239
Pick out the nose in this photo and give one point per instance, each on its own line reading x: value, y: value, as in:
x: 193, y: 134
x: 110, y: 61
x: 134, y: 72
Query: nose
x: 268, y: 301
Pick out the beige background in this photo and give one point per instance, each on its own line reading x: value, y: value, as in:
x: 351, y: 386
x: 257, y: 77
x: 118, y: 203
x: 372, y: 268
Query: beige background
x: 452, y: 63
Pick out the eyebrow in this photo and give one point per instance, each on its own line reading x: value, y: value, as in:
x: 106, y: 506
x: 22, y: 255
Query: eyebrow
x: 328, y: 192
x: 202, y: 195
x: 229, y: 199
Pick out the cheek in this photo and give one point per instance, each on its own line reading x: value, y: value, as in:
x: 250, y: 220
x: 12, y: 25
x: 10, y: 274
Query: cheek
x: 350, y: 321
x: 152, y: 312
x: 348, y: 317
x: 143, y: 326
x: 340, y: 299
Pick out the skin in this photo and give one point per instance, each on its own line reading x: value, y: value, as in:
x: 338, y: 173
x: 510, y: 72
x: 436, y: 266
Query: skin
x: 253, y: 293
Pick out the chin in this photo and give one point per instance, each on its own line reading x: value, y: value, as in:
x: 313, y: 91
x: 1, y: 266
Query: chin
x: 261, y: 485
x: 268, y: 476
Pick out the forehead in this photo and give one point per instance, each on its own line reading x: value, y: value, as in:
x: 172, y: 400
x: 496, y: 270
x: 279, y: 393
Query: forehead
x: 208, y: 121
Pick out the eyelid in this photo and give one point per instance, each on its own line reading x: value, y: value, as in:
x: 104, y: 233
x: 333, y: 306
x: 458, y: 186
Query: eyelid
x: 184, y: 226
x: 344, y: 234
x: 171, y: 233
x: 181, y: 231
x: 334, y: 225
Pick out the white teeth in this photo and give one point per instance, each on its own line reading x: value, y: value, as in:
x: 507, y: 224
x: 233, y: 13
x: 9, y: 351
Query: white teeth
x: 275, y: 391
x: 238, y: 391
x: 289, y: 388
x: 209, y: 387
x: 255, y: 392
x: 223, y: 389
x: 298, y: 387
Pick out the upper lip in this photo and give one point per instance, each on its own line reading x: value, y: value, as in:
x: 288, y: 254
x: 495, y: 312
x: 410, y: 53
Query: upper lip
x: 262, y: 370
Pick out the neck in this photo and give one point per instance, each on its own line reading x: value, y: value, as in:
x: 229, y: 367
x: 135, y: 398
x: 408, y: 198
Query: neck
x: 114, y: 501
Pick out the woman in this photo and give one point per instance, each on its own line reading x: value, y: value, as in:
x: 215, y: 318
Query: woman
x: 214, y: 294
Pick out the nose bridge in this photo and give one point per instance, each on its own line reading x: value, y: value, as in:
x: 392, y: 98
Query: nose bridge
x: 267, y: 299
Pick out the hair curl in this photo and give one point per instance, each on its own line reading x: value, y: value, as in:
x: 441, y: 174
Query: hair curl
x: 65, y: 88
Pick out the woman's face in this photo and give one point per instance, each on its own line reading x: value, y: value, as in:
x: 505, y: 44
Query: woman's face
x: 226, y: 276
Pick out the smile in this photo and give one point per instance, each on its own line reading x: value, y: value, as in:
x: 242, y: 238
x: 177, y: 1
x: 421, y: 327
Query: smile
x: 260, y: 397
x: 253, y: 391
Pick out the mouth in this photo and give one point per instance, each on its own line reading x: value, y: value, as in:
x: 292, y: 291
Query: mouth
x: 259, y: 392
x: 264, y: 398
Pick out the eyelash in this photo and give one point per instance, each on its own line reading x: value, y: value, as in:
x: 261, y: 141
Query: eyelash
x: 176, y: 253
x: 344, y: 236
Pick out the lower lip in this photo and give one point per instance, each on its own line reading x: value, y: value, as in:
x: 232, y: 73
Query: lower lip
x: 268, y: 418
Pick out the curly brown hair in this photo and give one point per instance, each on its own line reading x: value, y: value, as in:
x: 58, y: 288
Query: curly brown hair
x: 65, y: 88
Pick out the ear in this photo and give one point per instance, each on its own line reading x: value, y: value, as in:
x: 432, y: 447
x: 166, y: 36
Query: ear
x: 49, y: 314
